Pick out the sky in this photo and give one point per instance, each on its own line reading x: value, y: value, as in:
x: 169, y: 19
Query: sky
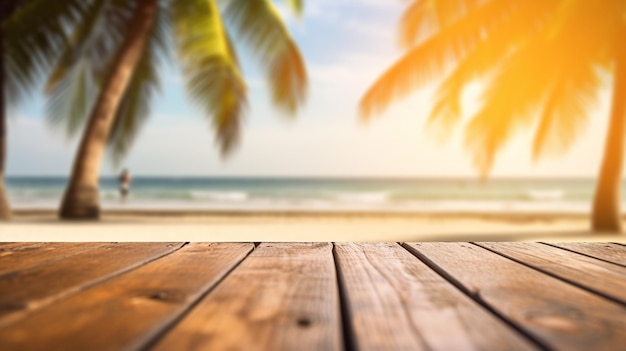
x: 346, y: 44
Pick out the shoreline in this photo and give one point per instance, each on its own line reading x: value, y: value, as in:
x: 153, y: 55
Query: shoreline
x: 201, y: 213
x: 299, y: 226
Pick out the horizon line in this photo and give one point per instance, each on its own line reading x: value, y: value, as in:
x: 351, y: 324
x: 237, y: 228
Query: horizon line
x: 283, y: 176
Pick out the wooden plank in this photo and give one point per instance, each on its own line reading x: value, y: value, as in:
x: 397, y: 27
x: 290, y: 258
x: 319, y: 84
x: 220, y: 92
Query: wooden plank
x: 29, y: 289
x: 608, y: 252
x: 396, y: 302
x: 558, y: 314
x: 126, y: 312
x: 601, y: 277
x: 282, y: 297
x: 18, y: 256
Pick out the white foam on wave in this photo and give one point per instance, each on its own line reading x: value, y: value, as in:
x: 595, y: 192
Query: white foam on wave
x: 109, y: 194
x: 543, y: 194
x: 364, y: 197
x: 499, y: 206
x: 219, y: 195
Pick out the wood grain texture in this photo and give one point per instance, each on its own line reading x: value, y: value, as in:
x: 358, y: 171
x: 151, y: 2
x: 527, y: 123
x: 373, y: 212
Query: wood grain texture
x: 599, y: 276
x: 558, y: 314
x: 16, y: 256
x: 604, y: 251
x: 282, y: 297
x: 126, y: 312
x: 396, y: 302
x: 26, y: 290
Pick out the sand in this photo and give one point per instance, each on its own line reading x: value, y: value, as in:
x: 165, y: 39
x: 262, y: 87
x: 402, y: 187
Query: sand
x: 294, y: 226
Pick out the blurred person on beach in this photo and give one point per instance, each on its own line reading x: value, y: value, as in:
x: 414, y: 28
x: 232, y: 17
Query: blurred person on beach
x: 124, y: 180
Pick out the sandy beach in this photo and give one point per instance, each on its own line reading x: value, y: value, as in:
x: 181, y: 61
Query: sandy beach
x: 42, y: 225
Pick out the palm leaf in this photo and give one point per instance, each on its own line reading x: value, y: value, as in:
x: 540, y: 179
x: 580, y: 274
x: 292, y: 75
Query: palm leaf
x: 78, y: 75
x: 423, y: 18
x: 483, y: 58
x: 575, y: 91
x: 210, y: 68
x: 72, y: 98
x: 78, y: 44
x: 33, y: 35
x: 564, y: 82
x: 511, y: 103
x: 432, y: 58
x: 564, y: 113
x: 135, y: 106
x: 259, y: 24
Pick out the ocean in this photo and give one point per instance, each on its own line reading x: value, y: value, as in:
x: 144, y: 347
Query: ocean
x: 322, y: 194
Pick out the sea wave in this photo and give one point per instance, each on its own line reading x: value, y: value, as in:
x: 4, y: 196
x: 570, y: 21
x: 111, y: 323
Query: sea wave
x: 545, y: 194
x: 34, y: 193
x: 364, y: 197
x: 219, y: 195
x: 498, y: 206
x: 109, y: 194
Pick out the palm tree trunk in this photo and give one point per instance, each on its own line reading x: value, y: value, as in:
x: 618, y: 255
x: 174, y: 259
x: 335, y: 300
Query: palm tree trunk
x: 81, y: 199
x: 5, y: 209
x: 606, y: 216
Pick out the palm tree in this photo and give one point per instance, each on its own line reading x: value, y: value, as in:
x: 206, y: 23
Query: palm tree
x: 30, y: 32
x: 109, y: 72
x: 540, y: 63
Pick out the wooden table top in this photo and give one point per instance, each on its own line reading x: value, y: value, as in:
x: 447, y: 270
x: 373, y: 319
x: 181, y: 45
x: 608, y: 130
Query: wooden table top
x: 312, y: 296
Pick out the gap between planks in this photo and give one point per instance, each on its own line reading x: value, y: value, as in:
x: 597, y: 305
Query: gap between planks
x: 554, y: 312
x: 596, y: 276
x: 282, y: 296
x: 39, y: 286
x: 608, y: 252
x: 130, y: 310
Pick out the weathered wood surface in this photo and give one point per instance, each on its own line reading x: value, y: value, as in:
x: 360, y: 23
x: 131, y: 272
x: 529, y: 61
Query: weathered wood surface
x: 601, y: 277
x: 128, y: 311
x: 319, y: 296
x: 26, y: 290
x: 16, y: 256
x: 555, y: 313
x: 282, y: 297
x: 608, y: 252
x: 395, y: 302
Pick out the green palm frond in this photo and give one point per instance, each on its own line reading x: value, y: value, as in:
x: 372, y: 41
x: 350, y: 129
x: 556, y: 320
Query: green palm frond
x: 79, y: 42
x: 33, y: 35
x: 145, y: 83
x: 210, y: 68
x: 72, y: 98
x: 210, y: 65
x: 77, y: 76
x: 259, y: 24
x: 72, y: 84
